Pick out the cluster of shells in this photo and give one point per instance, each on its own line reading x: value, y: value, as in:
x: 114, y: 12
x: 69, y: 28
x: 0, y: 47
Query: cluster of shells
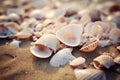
x: 54, y: 31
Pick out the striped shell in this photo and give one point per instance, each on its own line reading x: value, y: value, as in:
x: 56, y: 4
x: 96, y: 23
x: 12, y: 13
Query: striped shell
x: 103, y: 61
x: 90, y: 47
x: 62, y: 57
x: 89, y: 74
x: 78, y: 63
x: 70, y: 35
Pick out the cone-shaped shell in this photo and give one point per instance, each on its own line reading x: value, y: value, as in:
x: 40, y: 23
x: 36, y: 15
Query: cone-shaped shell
x: 90, y: 47
x: 70, y: 35
x: 103, y: 61
x: 50, y: 41
x: 89, y: 74
x: 78, y: 63
x: 62, y: 57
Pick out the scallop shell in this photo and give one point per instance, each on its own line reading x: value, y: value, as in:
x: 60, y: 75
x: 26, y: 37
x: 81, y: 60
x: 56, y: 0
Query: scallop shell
x: 78, y: 63
x: 104, y: 43
x: 70, y: 35
x: 89, y: 74
x: 62, y: 57
x: 115, y: 35
x: 90, y: 47
x: 117, y: 59
x: 103, y: 61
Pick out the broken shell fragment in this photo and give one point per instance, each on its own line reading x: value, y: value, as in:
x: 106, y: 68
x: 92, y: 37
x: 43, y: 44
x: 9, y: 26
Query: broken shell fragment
x: 78, y: 63
x: 62, y: 57
x: 104, y: 43
x: 89, y: 74
x: 118, y: 47
x: 70, y: 35
x: 44, y: 46
x: 117, y: 59
x: 90, y: 46
x: 15, y: 43
x: 103, y: 61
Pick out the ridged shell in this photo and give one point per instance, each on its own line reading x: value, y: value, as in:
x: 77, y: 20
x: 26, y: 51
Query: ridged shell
x: 78, y: 63
x: 89, y: 74
x: 70, y: 35
x: 103, y: 61
x: 90, y: 47
x: 50, y: 41
x: 62, y: 57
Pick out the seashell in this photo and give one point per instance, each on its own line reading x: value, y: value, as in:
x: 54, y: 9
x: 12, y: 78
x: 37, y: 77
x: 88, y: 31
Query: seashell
x: 70, y: 35
x: 15, y: 43
x: 103, y: 61
x: 13, y: 17
x: 50, y: 41
x: 118, y: 47
x: 62, y: 57
x: 36, y: 14
x: 117, y: 59
x: 115, y: 35
x: 45, y: 45
x: 89, y: 74
x: 38, y: 27
x: 78, y: 63
x: 24, y: 34
x: 104, y: 43
x: 93, y: 29
x: 90, y: 46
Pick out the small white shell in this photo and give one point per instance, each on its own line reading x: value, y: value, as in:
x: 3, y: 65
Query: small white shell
x: 90, y: 47
x: 50, y: 41
x: 15, y: 10
x: 15, y: 43
x: 70, y: 35
x: 103, y: 43
x: 117, y: 59
x: 62, y: 57
x: 115, y: 35
x: 89, y: 74
x: 78, y: 63
x: 13, y: 17
x: 103, y: 61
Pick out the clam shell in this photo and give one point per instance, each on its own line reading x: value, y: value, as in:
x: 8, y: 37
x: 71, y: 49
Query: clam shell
x: 89, y: 74
x: 78, y: 63
x: 115, y: 35
x: 70, y: 35
x: 41, y: 53
x: 93, y: 29
x: 62, y: 57
x: 90, y: 47
x: 117, y: 59
x: 103, y: 61
x: 50, y: 41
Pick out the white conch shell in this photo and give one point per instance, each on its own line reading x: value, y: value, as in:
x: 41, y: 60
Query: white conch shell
x: 103, y: 61
x: 115, y: 35
x: 78, y: 63
x: 117, y: 59
x: 62, y: 57
x: 103, y: 43
x: 93, y: 29
x: 89, y: 74
x: 50, y: 41
x: 70, y: 35
x: 90, y: 46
